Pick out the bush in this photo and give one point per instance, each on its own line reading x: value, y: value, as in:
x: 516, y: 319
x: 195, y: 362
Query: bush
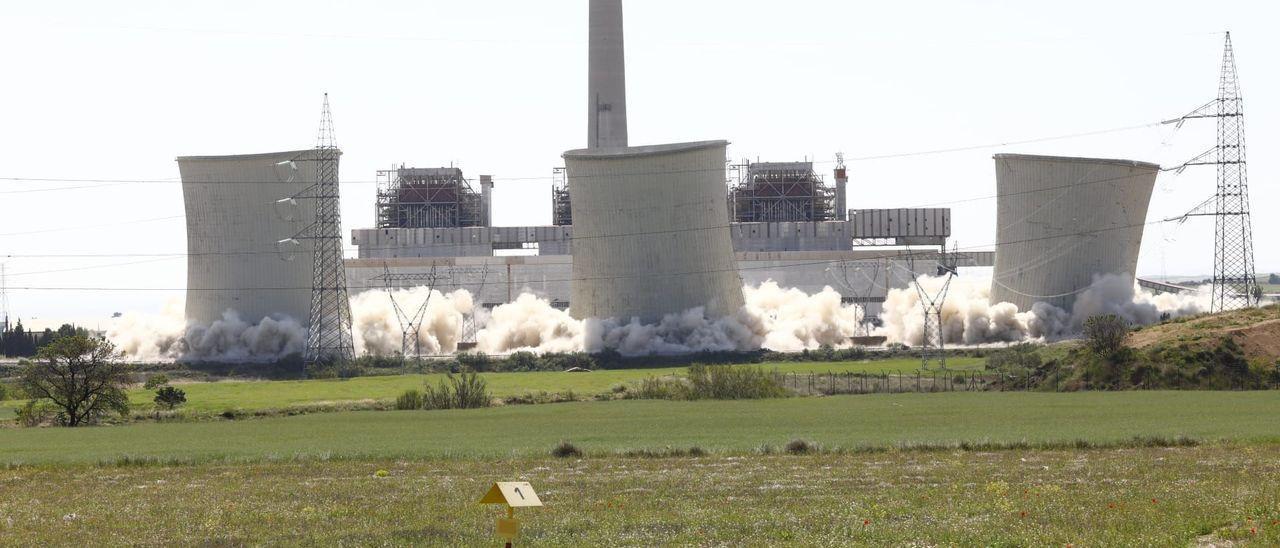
x: 465, y: 391
x: 169, y: 397
x: 565, y: 449
x: 1018, y: 360
x: 409, y: 400
x: 156, y: 381
x: 477, y: 361
x: 724, y: 382
x: 1105, y: 334
x: 800, y: 447
x: 34, y: 413
x: 712, y: 382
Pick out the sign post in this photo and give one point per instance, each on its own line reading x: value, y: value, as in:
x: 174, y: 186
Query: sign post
x: 512, y: 494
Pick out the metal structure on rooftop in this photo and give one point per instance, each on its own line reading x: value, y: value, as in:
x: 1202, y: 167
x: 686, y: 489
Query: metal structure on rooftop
x: 329, y: 331
x: 1235, y: 283
x: 428, y: 198
x: 780, y: 192
x: 561, y: 208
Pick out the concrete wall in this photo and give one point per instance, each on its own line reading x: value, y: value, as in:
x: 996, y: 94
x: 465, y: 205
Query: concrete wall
x: 651, y: 232
x: 233, y: 226
x: 1062, y: 221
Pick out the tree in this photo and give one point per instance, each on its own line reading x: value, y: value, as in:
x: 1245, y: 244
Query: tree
x: 1105, y: 334
x: 169, y: 397
x: 1274, y: 279
x: 80, y: 376
x: 156, y: 381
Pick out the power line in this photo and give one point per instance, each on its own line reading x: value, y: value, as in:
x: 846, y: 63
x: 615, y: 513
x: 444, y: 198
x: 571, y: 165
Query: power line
x: 895, y: 254
x: 571, y: 238
x: 887, y: 156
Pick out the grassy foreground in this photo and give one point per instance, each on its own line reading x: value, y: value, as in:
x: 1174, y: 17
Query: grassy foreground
x: 1137, y: 497
x: 215, y: 397
x: 720, y: 426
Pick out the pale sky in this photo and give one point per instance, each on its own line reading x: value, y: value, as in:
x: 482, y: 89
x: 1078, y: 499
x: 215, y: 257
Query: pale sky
x: 117, y: 90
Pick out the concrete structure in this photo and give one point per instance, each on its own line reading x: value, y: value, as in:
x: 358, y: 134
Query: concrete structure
x: 651, y: 234
x: 498, y: 280
x: 868, y: 227
x: 238, y: 210
x: 606, y: 77
x: 1060, y: 222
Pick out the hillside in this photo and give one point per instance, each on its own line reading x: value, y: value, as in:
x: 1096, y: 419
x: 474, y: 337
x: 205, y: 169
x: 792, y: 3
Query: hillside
x: 1256, y: 331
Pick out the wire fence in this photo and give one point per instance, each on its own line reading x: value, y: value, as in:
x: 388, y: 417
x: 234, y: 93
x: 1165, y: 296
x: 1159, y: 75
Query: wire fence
x: 922, y: 381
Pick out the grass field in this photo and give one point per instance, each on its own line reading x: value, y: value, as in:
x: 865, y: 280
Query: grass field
x: 718, y: 426
x: 255, y: 395
x: 1137, y: 497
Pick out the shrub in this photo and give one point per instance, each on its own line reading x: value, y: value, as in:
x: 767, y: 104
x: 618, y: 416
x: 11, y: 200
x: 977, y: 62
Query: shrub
x: 522, y: 362
x: 4, y: 392
x: 169, y: 397
x: 465, y: 391
x: 34, y: 413
x: 1018, y: 359
x: 410, y: 399
x: 156, y: 381
x: 565, y: 449
x: 724, y: 382
x: 477, y: 361
x: 800, y: 447
x: 1105, y: 334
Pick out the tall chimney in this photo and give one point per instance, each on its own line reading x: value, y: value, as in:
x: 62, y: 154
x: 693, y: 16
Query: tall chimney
x: 606, y: 77
x: 486, y: 200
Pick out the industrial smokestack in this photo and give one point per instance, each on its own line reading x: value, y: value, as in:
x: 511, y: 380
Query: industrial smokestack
x: 486, y: 200
x: 606, y: 77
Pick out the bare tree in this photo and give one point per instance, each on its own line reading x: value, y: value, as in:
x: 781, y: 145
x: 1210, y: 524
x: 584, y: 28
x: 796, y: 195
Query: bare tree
x: 81, y: 376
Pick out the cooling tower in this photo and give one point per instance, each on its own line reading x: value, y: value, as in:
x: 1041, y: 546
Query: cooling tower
x: 1062, y: 221
x: 235, y: 219
x: 651, y: 232
x: 606, y: 77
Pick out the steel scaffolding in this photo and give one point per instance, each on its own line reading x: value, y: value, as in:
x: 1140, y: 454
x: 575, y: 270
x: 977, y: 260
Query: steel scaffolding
x: 427, y: 198
x: 779, y: 191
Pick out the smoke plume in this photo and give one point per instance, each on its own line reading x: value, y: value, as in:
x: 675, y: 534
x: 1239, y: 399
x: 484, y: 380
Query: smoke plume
x: 776, y: 318
x: 969, y: 317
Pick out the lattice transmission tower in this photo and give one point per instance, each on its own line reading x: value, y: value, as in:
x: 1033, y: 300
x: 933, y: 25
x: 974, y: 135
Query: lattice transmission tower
x: 1235, y: 284
x: 932, y: 343
x: 329, y: 332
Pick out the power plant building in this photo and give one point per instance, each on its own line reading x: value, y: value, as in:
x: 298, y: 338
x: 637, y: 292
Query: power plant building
x: 651, y: 234
x: 1061, y: 222
x: 243, y: 216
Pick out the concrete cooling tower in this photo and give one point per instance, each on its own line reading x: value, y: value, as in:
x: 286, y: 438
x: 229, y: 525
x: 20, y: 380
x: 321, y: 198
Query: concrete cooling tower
x: 1062, y: 221
x: 235, y: 219
x: 651, y: 232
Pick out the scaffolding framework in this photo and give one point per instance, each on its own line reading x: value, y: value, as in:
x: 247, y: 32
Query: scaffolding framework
x: 779, y: 192
x: 427, y: 198
x: 561, y: 213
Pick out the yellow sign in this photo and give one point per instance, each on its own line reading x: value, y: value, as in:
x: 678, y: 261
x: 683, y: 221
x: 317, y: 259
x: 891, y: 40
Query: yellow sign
x: 508, y: 528
x: 514, y: 494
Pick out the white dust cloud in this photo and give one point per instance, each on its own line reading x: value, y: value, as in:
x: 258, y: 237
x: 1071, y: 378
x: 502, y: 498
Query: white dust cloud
x: 167, y: 337
x: 775, y: 318
x: 969, y: 318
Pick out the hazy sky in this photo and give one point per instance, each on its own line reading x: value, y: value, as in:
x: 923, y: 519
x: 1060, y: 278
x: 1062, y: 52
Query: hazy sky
x: 116, y: 90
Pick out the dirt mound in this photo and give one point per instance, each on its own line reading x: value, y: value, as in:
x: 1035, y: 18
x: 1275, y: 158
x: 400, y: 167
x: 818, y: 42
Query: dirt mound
x: 1255, y: 330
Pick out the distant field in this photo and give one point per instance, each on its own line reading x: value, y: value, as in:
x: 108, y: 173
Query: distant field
x: 1205, y: 496
x: 254, y: 395
x: 721, y: 426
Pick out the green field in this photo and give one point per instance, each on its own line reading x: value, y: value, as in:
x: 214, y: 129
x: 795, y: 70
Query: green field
x: 891, y: 472
x: 216, y: 397
x: 718, y: 426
